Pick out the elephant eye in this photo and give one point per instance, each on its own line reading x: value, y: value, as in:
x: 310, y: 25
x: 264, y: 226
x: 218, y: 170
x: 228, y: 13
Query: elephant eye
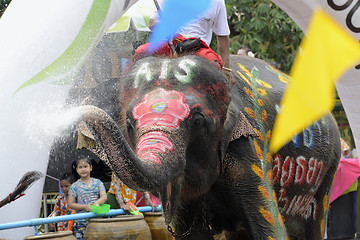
x: 129, y: 124
x: 198, y: 119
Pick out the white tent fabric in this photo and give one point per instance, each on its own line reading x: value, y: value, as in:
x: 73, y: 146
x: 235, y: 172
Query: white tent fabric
x: 52, y: 33
x: 346, y: 13
x: 138, y: 15
x: 55, y: 37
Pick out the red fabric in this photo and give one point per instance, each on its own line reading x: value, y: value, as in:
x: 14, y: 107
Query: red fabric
x: 139, y: 195
x: 165, y: 51
x: 142, y: 51
x: 347, y: 173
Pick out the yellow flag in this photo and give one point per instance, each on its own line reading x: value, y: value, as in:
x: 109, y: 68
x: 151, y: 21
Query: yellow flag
x: 327, y: 53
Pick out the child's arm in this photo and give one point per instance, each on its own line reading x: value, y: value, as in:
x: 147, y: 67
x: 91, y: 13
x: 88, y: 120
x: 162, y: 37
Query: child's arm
x: 148, y: 201
x: 118, y: 195
x: 102, y: 199
x: 56, y: 208
x: 56, y: 211
x: 77, y: 206
x: 122, y: 202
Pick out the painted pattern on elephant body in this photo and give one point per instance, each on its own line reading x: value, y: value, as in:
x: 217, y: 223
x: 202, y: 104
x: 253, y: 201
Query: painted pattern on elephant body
x: 298, y: 171
x: 151, y: 143
x: 257, y: 94
x: 303, y: 173
x: 160, y: 108
x: 183, y: 73
x: 307, y: 175
x: 304, y: 206
x: 320, y: 128
x: 213, y: 90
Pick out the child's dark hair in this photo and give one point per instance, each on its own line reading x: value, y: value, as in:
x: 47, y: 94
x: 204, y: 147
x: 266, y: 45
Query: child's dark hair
x: 81, y: 158
x: 67, y: 176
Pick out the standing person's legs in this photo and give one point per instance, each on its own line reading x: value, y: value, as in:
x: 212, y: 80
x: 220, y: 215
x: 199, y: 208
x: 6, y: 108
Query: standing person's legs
x: 79, y: 229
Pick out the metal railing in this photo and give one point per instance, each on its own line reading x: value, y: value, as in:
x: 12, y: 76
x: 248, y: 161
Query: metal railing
x: 40, y: 221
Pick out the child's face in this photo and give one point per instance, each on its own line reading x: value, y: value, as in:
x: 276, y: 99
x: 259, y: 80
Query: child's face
x: 65, y: 186
x: 83, y: 169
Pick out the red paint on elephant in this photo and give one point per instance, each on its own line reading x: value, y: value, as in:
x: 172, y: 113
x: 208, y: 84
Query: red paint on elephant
x: 277, y: 168
x: 288, y: 171
x: 150, y: 156
x: 151, y: 143
x: 207, y: 111
x: 302, y: 172
x: 219, y: 93
x: 161, y: 108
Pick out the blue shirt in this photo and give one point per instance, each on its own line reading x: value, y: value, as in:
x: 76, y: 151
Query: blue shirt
x: 84, y: 194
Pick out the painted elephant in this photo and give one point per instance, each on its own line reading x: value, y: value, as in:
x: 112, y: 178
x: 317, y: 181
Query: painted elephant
x: 177, y: 128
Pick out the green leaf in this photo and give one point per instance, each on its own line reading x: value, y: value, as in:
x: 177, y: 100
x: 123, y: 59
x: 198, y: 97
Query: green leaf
x: 266, y: 29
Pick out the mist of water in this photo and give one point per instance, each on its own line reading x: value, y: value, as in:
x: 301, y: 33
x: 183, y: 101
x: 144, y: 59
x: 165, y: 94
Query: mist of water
x: 34, y: 34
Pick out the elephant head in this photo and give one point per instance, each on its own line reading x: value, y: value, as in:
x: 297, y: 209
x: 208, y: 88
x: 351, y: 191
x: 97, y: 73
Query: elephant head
x: 169, y: 129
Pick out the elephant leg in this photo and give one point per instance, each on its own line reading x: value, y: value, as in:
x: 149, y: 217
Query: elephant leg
x: 192, y: 222
x: 235, y: 235
x: 251, y: 184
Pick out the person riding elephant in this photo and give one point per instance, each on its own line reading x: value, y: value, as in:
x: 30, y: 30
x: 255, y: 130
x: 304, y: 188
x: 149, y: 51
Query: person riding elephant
x: 195, y: 37
x: 175, y: 127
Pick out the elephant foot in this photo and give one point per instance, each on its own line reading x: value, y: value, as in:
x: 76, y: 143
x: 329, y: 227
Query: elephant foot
x: 242, y: 235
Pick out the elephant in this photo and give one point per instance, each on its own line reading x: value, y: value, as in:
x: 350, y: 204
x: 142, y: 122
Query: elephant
x: 177, y: 128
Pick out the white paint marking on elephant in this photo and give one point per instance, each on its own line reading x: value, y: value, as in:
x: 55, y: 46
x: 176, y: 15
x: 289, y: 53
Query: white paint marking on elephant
x: 164, y: 69
x: 317, y: 125
x: 315, y: 174
x: 305, y: 206
x: 144, y: 71
x: 187, y: 66
x: 287, y: 171
x: 301, y: 170
x: 309, y: 134
x: 324, y: 130
x: 308, y: 137
x: 328, y: 131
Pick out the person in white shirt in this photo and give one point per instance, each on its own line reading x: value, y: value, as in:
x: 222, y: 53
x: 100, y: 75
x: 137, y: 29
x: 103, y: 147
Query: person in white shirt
x: 214, y: 19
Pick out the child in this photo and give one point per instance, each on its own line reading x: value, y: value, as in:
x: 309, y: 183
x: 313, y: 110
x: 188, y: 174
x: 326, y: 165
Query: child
x: 84, y: 192
x: 119, y: 195
x: 61, y: 204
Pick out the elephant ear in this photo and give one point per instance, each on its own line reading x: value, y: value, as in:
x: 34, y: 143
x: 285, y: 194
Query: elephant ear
x: 236, y: 126
x: 243, y: 128
x: 87, y: 140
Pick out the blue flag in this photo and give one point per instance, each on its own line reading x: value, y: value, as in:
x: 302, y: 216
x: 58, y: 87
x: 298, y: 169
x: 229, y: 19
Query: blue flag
x: 174, y: 15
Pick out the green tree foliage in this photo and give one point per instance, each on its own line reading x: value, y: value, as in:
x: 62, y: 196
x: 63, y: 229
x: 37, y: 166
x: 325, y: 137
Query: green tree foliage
x: 3, y: 6
x: 266, y: 29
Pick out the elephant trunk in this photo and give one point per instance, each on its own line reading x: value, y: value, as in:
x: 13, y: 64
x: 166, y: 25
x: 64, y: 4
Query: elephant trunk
x: 119, y: 156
